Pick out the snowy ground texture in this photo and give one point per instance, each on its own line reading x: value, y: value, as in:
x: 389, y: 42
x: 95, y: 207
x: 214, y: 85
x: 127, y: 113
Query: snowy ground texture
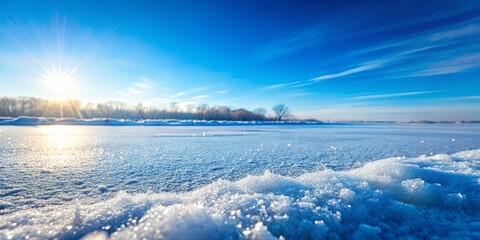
x: 424, y: 197
x: 427, y: 196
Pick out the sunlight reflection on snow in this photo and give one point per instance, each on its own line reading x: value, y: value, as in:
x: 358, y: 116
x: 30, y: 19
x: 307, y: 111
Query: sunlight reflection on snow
x: 60, y: 147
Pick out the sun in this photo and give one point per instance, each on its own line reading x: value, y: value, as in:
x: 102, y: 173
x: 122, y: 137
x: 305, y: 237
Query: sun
x: 60, y: 84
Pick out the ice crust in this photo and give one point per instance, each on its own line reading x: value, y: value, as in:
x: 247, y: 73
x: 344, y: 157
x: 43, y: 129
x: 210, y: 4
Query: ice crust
x: 406, y: 198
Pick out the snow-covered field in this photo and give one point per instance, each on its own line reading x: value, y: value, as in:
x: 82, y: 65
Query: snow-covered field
x: 38, y: 121
x: 234, y: 182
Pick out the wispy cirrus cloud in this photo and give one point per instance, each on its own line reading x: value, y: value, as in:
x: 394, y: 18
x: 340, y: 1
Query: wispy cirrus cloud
x: 150, y: 93
x: 358, y: 69
x: 138, y: 89
x: 280, y: 85
x: 364, y: 67
x: 441, y: 37
x: 298, y: 41
x: 324, y: 34
x: 189, y: 91
x: 144, y: 85
x: 200, y: 97
x: 299, y: 94
x: 446, y: 50
x: 391, y: 95
x: 449, y: 66
x: 223, y: 91
x: 455, y: 33
x: 468, y: 98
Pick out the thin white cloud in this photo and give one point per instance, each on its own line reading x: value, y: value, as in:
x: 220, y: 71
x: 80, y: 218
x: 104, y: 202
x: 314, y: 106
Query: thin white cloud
x: 145, y: 84
x: 455, y: 33
x: 428, y: 40
x: 280, y: 85
x: 458, y: 64
x: 300, y: 40
x: 364, y: 67
x: 391, y: 95
x: 189, y: 91
x: 223, y: 91
x: 319, y: 34
x: 466, y: 98
x: 299, y: 94
x: 138, y: 89
x: 147, y: 92
x: 431, y: 50
x: 178, y: 94
x: 199, y: 97
x: 131, y: 92
x: 417, y: 46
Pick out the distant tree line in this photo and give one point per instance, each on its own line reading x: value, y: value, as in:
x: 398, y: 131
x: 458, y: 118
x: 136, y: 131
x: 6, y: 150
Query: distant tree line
x: 37, y: 107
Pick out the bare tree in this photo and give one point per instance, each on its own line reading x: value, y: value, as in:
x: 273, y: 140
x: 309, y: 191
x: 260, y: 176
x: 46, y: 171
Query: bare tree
x: 201, y: 111
x: 140, y: 111
x: 174, y: 110
x: 260, y: 112
x: 281, y: 110
x: 190, y: 108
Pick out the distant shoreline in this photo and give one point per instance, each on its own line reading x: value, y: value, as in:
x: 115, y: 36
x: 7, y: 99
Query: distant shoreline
x: 39, y: 121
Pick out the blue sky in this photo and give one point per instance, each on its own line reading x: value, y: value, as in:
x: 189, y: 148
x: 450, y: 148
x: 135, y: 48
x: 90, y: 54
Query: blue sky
x: 331, y: 60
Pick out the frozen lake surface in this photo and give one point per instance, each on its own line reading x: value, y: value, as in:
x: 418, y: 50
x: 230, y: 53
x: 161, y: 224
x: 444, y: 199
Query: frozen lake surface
x: 234, y: 182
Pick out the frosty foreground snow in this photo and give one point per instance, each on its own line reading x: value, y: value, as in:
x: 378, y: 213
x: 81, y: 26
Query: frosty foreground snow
x: 424, y: 197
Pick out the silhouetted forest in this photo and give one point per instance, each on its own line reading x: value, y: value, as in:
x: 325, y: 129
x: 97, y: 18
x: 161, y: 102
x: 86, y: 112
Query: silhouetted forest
x: 37, y: 107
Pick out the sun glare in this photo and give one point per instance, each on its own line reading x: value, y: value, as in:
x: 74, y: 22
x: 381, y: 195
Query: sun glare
x: 59, y: 148
x: 60, y: 84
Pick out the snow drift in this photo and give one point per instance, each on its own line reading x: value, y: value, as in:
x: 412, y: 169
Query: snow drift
x: 424, y: 197
x: 34, y: 121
